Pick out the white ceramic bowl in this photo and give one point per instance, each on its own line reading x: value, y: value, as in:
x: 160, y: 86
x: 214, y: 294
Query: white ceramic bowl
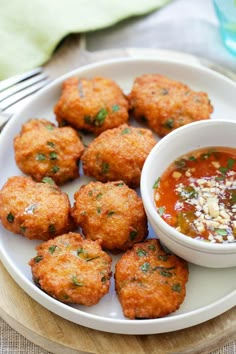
x: 181, y: 141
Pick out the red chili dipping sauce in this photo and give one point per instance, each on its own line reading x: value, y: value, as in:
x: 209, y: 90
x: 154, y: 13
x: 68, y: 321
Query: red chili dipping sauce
x: 197, y: 194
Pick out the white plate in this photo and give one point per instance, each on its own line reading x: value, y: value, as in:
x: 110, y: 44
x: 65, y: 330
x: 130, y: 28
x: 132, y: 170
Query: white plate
x: 210, y: 292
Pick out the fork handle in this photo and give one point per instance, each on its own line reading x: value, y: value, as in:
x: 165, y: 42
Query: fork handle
x: 4, y: 118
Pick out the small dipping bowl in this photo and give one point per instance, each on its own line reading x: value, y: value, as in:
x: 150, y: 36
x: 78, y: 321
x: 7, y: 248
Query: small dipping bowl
x: 193, y: 136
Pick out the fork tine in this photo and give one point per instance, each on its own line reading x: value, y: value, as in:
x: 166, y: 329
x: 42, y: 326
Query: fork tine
x: 21, y: 86
x: 8, y: 102
x: 4, y: 118
x: 18, y: 78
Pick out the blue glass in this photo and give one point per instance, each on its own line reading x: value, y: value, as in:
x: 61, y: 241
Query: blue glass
x: 226, y: 13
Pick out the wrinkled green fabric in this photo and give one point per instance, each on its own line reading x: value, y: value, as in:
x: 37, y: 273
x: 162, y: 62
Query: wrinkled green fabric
x: 30, y: 30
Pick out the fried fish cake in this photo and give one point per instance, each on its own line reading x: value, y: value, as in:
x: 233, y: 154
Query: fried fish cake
x: 72, y: 270
x: 42, y: 149
x: 111, y: 212
x: 150, y: 282
x: 93, y: 104
x: 118, y: 154
x: 35, y: 210
x: 165, y: 104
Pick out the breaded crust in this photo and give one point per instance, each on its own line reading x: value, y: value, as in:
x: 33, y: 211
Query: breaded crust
x: 93, y: 105
x: 72, y: 270
x: 110, y: 212
x: 42, y: 149
x: 35, y: 210
x: 166, y: 104
x: 118, y: 154
x: 150, y: 282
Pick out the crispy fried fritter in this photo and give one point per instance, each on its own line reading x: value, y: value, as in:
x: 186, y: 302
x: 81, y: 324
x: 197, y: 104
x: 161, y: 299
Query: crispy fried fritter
x: 72, y: 270
x: 42, y: 149
x: 150, y: 282
x: 111, y: 212
x: 93, y: 105
x: 118, y: 154
x: 35, y: 210
x: 165, y: 104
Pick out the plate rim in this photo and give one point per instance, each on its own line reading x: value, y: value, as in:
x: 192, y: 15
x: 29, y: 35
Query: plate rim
x: 27, y: 285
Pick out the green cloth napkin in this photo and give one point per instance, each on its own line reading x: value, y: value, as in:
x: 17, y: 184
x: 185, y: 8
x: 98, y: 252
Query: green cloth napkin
x: 30, y: 30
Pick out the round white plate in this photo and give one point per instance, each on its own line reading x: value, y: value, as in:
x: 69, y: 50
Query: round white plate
x: 210, y: 292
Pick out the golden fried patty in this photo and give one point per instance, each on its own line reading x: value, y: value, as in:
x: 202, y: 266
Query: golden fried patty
x: 42, y: 149
x: 35, y: 210
x: 93, y: 105
x: 118, y: 154
x: 72, y: 270
x: 110, y: 212
x: 150, y: 282
x: 165, y: 104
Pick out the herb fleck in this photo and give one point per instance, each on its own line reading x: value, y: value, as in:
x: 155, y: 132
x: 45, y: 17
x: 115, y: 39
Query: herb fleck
x: 23, y: 229
x: 88, y: 120
x: 141, y: 253
x: 121, y: 184
x: 92, y: 258
x: 80, y: 251
x: 52, y: 249
x: 55, y: 169
x: 40, y: 157
x: 163, y: 257
x: 105, y: 167
x: 133, y: 234
x: 165, y: 273
x: 37, y: 259
x: 157, y: 183
x: 169, y: 124
x: 223, y: 170
x: 48, y: 180
x: 230, y: 163
x: 145, y: 267
x: 53, y: 155
x: 205, y: 155
x: 152, y: 247
x: 100, y: 117
x: 176, y: 287
x: 232, y: 196
x: 51, y: 229
x: 161, y: 210
x: 75, y: 280
x: 221, y: 232
x: 180, y: 163
x: 50, y: 143
x: 49, y: 127
x: 115, y: 108
x: 125, y: 131
x: 110, y: 213
x: 188, y: 192
x: 10, y: 218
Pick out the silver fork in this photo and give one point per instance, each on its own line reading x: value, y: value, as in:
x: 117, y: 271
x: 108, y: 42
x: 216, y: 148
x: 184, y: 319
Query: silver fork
x: 17, y: 88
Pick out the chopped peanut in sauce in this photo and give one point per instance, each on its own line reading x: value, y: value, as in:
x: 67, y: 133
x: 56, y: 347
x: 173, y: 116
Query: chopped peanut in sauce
x: 201, y: 201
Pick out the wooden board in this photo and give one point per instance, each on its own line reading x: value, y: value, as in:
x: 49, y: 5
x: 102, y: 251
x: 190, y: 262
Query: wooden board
x: 57, y: 335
